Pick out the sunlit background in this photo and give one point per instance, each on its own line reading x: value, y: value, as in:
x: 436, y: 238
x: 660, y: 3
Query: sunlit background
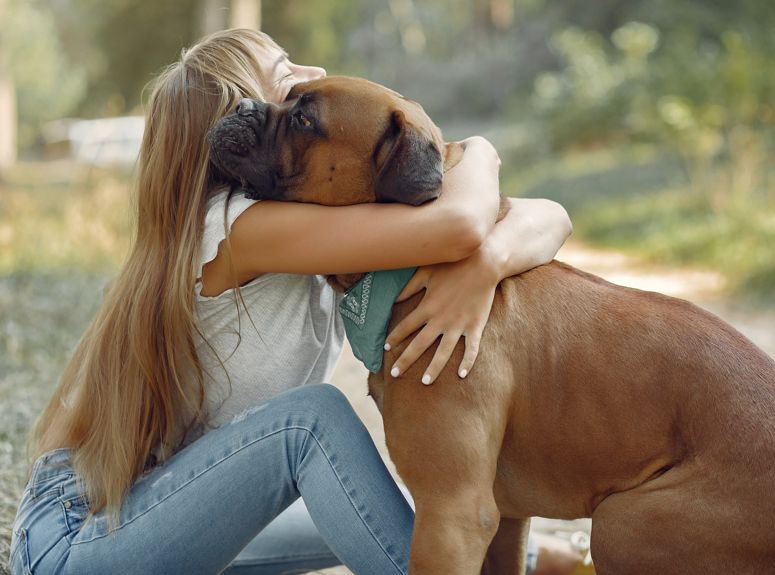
x: 651, y: 121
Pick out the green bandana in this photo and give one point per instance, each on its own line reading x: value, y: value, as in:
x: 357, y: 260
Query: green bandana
x: 366, y: 310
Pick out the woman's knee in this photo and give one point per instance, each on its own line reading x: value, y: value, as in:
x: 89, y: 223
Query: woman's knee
x: 322, y: 399
x: 326, y: 410
x: 319, y: 409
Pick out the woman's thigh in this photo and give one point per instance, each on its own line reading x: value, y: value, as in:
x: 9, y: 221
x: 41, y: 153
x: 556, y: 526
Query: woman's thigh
x: 196, y: 512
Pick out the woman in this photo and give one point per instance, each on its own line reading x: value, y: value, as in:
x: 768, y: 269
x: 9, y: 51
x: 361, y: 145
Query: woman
x: 182, y: 425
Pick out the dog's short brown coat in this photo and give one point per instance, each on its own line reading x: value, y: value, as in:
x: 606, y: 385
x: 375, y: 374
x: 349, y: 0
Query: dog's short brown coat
x: 588, y: 399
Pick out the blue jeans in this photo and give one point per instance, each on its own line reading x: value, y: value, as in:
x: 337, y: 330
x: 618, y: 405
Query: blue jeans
x: 211, y: 506
x: 197, y: 511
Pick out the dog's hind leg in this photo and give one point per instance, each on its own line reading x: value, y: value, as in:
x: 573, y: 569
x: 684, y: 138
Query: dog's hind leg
x: 507, y: 553
x: 690, y: 521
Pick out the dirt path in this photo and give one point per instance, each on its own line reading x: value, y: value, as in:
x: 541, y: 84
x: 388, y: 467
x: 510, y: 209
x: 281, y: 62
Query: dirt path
x: 701, y: 287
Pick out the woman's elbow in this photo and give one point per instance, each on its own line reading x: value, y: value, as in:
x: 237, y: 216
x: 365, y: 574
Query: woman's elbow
x: 556, y: 228
x: 564, y: 225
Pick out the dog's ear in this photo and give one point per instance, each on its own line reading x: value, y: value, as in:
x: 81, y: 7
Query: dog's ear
x: 408, y: 165
x: 295, y: 90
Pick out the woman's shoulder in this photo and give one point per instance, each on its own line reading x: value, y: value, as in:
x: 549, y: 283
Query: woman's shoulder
x: 224, y: 206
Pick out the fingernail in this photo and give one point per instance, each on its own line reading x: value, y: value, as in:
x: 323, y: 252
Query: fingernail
x: 462, y: 373
x: 394, y: 371
x: 387, y: 346
x: 426, y: 379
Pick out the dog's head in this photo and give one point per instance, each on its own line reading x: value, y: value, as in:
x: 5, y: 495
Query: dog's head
x: 334, y: 141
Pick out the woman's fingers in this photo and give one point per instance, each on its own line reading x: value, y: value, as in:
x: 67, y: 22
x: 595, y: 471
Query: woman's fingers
x: 406, y: 327
x: 425, y: 339
x: 441, y: 357
x: 472, y: 351
x: 414, y: 350
x: 415, y: 284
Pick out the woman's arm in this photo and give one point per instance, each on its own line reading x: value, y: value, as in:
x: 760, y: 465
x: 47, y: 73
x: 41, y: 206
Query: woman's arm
x: 312, y: 239
x: 459, y: 295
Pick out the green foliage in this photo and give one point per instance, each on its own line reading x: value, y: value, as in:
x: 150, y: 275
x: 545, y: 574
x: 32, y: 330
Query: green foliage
x: 314, y: 32
x: 641, y: 200
x: 47, y: 84
x: 701, y: 87
x: 135, y: 39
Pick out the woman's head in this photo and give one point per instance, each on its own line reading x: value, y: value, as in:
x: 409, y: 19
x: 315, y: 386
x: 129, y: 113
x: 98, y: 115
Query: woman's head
x: 135, y: 382
x: 204, y: 85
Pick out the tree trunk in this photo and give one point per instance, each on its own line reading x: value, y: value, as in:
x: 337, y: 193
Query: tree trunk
x: 213, y: 15
x: 245, y: 14
x: 8, y: 118
x: 218, y: 14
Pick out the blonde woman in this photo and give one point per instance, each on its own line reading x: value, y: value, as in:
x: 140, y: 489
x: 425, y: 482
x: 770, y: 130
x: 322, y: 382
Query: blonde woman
x: 192, y: 413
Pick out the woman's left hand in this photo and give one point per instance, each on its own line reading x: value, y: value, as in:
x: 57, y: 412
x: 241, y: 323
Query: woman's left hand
x: 457, y: 302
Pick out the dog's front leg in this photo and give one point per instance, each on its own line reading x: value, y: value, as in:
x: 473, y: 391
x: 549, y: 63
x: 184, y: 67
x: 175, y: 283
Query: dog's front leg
x: 453, y: 531
x: 445, y: 447
x: 507, y: 554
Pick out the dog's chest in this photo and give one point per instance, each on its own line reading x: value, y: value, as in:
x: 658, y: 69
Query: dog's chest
x: 377, y: 389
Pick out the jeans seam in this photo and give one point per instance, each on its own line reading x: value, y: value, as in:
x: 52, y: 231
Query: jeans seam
x: 299, y: 427
x: 55, y: 491
x: 301, y: 450
x: 280, y: 558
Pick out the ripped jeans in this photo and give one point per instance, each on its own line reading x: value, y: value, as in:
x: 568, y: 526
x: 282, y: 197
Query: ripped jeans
x: 210, y: 507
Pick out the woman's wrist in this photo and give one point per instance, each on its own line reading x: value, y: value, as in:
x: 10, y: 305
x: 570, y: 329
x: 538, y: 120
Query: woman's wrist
x: 492, y: 258
x: 470, y: 191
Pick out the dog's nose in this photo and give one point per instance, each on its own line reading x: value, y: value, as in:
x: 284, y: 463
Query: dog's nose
x: 246, y: 107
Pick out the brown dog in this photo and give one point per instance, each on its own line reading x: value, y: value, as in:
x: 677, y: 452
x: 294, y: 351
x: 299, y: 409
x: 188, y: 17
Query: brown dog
x: 588, y: 399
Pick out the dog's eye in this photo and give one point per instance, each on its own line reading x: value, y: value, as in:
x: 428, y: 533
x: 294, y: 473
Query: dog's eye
x: 302, y: 120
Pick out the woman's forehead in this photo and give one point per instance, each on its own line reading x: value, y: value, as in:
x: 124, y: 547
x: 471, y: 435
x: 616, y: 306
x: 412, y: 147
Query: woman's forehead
x: 271, y: 58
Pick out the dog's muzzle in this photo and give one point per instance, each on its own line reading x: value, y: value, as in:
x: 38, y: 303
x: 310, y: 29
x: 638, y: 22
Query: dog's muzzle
x: 237, y: 134
x: 234, y: 146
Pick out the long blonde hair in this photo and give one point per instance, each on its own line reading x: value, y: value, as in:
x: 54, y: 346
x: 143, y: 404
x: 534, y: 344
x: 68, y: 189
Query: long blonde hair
x: 134, y: 380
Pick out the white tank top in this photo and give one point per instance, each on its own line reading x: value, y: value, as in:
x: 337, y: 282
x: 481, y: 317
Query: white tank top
x: 287, y: 333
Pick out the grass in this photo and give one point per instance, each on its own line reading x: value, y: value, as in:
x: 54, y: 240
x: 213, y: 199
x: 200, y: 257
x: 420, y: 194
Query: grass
x: 43, y: 316
x: 60, y: 217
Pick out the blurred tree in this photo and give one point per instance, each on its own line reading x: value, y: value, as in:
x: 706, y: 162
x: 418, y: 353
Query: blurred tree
x: 8, y: 120
x: 136, y: 38
x: 219, y: 14
x: 213, y: 17
x: 47, y: 84
x: 485, y: 53
x: 245, y: 14
x: 315, y: 32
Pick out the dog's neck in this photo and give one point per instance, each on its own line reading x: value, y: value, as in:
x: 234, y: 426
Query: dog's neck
x: 343, y: 282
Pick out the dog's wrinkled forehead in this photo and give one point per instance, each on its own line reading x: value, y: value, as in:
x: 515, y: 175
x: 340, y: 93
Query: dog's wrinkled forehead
x: 352, y: 105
